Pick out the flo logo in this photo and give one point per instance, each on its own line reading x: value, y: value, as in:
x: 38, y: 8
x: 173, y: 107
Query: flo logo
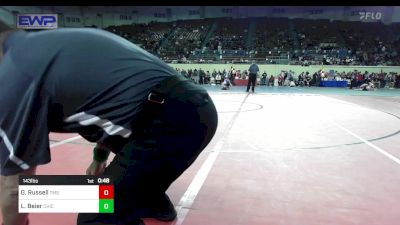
x: 370, y: 15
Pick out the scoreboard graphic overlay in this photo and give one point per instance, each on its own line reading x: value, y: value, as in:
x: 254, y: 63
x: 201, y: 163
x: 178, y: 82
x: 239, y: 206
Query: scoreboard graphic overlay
x: 65, y: 194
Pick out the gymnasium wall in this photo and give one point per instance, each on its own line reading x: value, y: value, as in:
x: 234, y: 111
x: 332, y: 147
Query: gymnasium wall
x: 101, y: 16
x: 276, y: 69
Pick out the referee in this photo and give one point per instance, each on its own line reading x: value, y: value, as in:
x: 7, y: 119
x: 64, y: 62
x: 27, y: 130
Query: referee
x: 111, y: 92
x: 253, y: 70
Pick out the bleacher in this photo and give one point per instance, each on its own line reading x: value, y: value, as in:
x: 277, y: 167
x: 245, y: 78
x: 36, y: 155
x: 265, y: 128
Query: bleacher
x: 230, y: 34
x: 188, y: 36
x: 273, y: 41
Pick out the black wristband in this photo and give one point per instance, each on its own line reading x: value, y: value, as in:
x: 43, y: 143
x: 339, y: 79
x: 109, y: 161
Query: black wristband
x: 100, y: 154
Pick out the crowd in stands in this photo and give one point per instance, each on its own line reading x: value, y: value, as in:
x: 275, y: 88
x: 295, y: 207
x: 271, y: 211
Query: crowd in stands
x: 354, y: 78
x: 187, y: 36
x: 300, y: 41
x: 272, y: 35
x: 350, y: 43
x: 147, y: 36
x: 230, y: 35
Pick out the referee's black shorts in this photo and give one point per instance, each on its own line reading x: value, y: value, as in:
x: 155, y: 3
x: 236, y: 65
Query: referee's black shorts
x: 177, y: 123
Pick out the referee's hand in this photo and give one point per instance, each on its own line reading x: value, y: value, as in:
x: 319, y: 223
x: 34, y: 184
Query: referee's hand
x: 96, y: 168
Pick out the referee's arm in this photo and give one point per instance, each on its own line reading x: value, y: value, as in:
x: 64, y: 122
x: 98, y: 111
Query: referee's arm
x: 9, y: 198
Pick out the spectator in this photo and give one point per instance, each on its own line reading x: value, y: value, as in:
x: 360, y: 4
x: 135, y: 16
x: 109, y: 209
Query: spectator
x: 353, y: 82
x: 264, y: 78
x: 300, y: 80
x: 307, y: 80
x: 226, y: 84
x: 218, y: 78
x: 281, y: 79
x: 208, y: 77
x: 195, y: 76
x: 271, y: 80
x: 202, y: 76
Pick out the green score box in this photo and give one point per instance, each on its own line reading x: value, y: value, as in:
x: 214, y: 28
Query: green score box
x: 106, y: 206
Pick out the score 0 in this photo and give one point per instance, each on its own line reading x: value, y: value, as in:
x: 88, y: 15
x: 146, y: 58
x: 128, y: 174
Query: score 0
x: 106, y: 191
x: 106, y: 198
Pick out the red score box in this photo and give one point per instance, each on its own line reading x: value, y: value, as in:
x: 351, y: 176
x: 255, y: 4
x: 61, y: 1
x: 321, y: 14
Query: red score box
x: 106, y: 191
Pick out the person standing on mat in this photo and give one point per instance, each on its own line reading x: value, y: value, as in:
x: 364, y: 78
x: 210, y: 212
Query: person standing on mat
x: 111, y: 92
x: 253, y: 71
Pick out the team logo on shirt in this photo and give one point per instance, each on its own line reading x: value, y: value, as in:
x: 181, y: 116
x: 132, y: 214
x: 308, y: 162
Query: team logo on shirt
x: 37, y: 21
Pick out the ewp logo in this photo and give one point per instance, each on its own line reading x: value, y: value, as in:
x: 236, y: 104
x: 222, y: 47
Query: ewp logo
x: 37, y: 21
